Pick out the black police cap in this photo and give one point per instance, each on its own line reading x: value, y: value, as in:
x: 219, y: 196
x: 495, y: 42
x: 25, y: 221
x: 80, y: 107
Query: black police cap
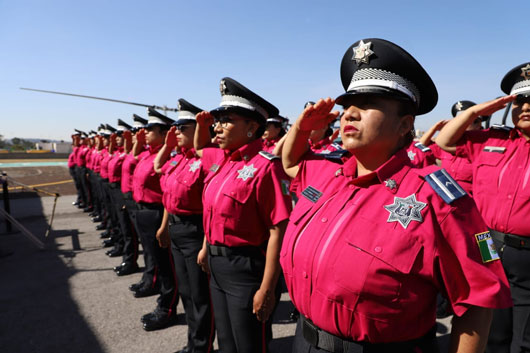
x: 381, y: 67
x: 461, y: 106
x: 308, y: 103
x: 157, y: 118
x: 187, y: 112
x: 138, y: 122
x: 78, y: 132
x: 239, y: 99
x: 122, y: 126
x: 110, y: 128
x: 517, y: 80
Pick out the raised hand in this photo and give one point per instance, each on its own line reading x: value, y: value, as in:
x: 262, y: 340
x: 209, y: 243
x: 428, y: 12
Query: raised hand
x: 171, y: 138
x: 204, y: 118
x: 318, y: 115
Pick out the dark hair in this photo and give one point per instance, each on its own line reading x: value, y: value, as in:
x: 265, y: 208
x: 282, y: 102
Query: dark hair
x: 277, y: 125
x: 328, y: 133
x: 407, y: 107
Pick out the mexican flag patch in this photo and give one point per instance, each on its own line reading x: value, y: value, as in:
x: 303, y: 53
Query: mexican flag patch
x: 486, y: 247
x: 285, y: 187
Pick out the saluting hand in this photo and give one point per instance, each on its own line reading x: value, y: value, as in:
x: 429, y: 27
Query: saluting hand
x: 140, y: 137
x: 162, y: 235
x: 204, y: 118
x: 263, y: 304
x: 318, y: 115
x: 490, y: 107
x: 171, y: 138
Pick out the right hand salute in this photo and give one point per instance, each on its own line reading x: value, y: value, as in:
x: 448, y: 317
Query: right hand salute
x: 171, y: 138
x: 318, y: 115
x: 204, y: 118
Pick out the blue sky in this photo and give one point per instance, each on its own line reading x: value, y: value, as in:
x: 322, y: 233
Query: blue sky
x: 289, y: 52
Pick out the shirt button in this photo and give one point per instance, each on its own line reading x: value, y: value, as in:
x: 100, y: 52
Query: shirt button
x: 324, y: 220
x: 232, y: 193
x: 351, y: 186
x: 304, y: 274
x: 378, y: 249
x: 510, y: 197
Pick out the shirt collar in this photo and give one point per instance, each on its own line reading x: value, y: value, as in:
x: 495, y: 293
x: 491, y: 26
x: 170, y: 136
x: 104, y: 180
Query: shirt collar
x: 188, y: 152
x: 246, y: 152
x: 319, y: 144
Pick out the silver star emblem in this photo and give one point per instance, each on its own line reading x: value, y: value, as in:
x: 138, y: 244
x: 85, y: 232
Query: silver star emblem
x: 411, y: 155
x: 246, y: 172
x: 178, y: 106
x: 195, y: 165
x: 405, y: 210
x: 390, y: 183
x: 222, y: 87
x: 525, y: 72
x: 459, y: 106
x: 362, y: 52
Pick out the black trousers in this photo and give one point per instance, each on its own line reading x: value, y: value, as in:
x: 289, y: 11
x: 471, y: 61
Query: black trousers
x: 187, y: 236
x: 95, y: 181
x: 112, y: 217
x: 77, y: 183
x: 510, y: 328
x: 81, y: 177
x: 130, y: 239
x: 234, y: 281
x: 158, y: 261
x: 118, y: 203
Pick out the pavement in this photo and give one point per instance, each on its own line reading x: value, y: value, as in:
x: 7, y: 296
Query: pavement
x: 67, y: 298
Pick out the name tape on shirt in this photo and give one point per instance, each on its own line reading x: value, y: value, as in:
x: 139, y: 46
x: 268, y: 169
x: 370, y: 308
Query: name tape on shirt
x: 285, y: 187
x: 487, y: 248
x: 422, y: 147
x: 311, y: 194
x: 497, y: 149
x: 445, y: 186
x: 173, y: 163
x: 214, y: 168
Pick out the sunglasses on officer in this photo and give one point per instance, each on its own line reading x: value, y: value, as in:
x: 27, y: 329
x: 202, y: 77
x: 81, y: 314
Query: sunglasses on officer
x: 224, y: 120
x: 521, y: 99
x: 182, y: 127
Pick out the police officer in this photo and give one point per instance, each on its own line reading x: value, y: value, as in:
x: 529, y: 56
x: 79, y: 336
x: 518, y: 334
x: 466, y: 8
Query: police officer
x: 372, y: 240
x: 246, y: 205
x: 501, y: 169
x: 72, y: 164
x: 274, y: 131
x: 182, y: 182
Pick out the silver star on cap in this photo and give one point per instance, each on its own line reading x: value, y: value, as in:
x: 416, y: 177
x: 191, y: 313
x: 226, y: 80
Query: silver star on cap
x: 525, y: 72
x: 459, y: 106
x: 390, y: 183
x: 411, y: 155
x: 362, y: 52
x: 178, y: 106
x: 405, y: 210
x: 195, y: 165
x: 246, y: 172
x: 222, y: 87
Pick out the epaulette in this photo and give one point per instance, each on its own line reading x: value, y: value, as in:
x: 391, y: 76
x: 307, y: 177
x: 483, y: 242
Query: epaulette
x: 334, y: 155
x: 337, y: 146
x: 422, y: 147
x: 501, y: 127
x: 445, y: 186
x: 268, y: 155
x: 173, y: 153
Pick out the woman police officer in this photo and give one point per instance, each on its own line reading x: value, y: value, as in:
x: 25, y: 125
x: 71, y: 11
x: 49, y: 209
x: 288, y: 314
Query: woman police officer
x: 372, y: 241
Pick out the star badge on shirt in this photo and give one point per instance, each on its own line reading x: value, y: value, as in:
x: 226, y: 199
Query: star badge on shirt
x: 362, y: 52
x: 405, y: 210
x: 246, y: 172
x: 391, y: 184
x: 195, y: 165
x: 411, y: 155
x: 525, y: 72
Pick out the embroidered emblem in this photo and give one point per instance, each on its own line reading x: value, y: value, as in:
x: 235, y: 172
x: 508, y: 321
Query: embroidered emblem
x: 487, y: 248
x: 445, y: 186
x: 497, y: 149
x: 173, y: 163
x: 214, y: 168
x: 246, y: 172
x: 405, y: 210
x: 391, y: 184
x: 411, y: 155
x: 311, y: 194
x: 525, y: 72
x: 338, y: 172
x: 195, y: 165
x: 285, y: 187
x: 362, y: 52
x: 459, y: 106
x: 326, y: 151
x: 222, y: 87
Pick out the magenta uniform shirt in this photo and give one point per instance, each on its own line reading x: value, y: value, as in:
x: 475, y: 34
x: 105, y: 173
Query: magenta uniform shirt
x: 115, y: 164
x: 96, y: 161
x: 323, y: 146
x: 104, y: 168
x: 269, y: 145
x: 127, y: 171
x: 460, y: 168
x: 81, y: 156
x: 146, y: 182
x: 501, y: 177
x: 245, y: 193
x: 71, y: 158
x: 182, y: 182
x: 420, y: 156
x: 364, y: 257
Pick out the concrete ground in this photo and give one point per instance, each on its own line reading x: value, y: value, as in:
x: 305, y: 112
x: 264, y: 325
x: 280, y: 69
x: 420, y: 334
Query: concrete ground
x: 67, y: 298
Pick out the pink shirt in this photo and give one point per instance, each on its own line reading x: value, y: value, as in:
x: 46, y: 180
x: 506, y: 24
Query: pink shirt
x: 115, y: 164
x: 364, y: 257
x: 324, y: 146
x: 81, y: 156
x: 71, y: 157
x: 127, y: 171
x: 459, y: 168
x: 104, y: 168
x: 146, y: 182
x: 96, y: 161
x: 182, y: 182
x: 245, y: 193
x: 420, y: 156
x: 501, y: 177
x: 269, y: 145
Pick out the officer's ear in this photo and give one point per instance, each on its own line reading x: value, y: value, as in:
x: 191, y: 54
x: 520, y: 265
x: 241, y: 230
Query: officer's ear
x: 406, y: 124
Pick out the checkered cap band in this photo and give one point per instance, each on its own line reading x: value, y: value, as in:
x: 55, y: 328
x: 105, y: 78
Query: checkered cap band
x: 184, y: 114
x: 138, y: 125
x: 235, y: 101
x: 155, y: 120
x: 520, y: 87
x: 381, y: 78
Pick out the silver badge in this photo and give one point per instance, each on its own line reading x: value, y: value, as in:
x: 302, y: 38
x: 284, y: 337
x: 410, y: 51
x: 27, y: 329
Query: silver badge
x: 411, y: 155
x: 459, y: 106
x: 405, y: 210
x: 525, y: 72
x: 391, y: 184
x: 195, y: 165
x: 178, y: 106
x: 362, y: 52
x: 222, y: 87
x: 246, y: 172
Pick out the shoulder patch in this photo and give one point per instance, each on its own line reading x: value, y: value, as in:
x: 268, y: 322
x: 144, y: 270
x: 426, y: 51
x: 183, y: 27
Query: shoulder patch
x: 445, y: 185
x: 336, y: 145
x: 335, y: 155
x: 422, y: 147
x: 501, y: 127
x: 268, y: 155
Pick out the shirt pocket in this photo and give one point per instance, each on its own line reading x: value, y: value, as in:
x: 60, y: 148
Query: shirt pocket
x: 233, y: 205
x: 372, y: 263
x: 487, y: 168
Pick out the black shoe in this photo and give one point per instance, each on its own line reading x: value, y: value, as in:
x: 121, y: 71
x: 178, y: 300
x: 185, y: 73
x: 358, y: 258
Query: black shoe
x: 88, y: 209
x: 147, y: 316
x: 107, y: 243
x: 105, y: 235
x: 184, y: 350
x: 81, y: 206
x: 117, y: 268
x: 75, y: 203
x: 101, y: 226
x: 114, y: 252
x: 97, y: 219
x: 135, y: 286
x: 127, y: 269
x: 145, y: 292
x: 159, y: 320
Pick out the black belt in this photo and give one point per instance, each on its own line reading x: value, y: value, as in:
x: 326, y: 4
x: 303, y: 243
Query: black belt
x: 115, y: 185
x: 149, y: 206
x: 249, y: 251
x: 325, y: 340
x: 174, y: 219
x: 512, y: 240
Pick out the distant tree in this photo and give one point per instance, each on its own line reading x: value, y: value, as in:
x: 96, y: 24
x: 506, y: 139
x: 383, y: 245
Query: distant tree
x: 19, y: 144
x: 3, y: 143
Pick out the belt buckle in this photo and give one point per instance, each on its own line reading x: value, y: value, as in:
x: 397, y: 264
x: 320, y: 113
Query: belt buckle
x: 310, y: 332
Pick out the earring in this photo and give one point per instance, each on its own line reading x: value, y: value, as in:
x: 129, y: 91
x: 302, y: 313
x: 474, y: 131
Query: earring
x: 249, y: 134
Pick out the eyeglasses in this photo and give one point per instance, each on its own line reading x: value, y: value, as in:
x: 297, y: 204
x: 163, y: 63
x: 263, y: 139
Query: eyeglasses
x: 181, y: 128
x: 521, y: 99
x: 225, y: 120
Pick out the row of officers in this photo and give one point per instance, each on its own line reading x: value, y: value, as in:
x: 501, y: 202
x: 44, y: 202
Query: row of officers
x: 377, y: 233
